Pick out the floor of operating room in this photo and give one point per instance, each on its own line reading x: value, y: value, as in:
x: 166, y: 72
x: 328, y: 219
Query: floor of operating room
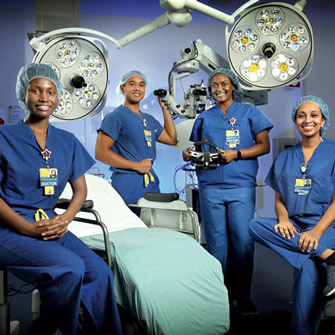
x: 272, y: 285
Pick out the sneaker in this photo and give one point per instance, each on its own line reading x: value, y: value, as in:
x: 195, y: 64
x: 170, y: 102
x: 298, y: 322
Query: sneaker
x: 329, y: 290
x: 248, y: 309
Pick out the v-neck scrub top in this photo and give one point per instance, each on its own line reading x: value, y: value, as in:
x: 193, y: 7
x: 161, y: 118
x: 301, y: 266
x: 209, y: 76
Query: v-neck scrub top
x: 212, y: 125
x: 21, y: 159
x: 320, y: 169
x: 126, y: 129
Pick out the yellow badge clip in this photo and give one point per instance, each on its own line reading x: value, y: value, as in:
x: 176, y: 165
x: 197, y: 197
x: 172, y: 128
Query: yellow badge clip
x: 49, y: 190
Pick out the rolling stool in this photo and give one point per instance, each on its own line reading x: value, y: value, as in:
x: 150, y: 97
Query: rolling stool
x: 6, y: 327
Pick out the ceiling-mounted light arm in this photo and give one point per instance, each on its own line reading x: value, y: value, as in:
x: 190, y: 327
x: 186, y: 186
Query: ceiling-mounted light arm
x: 178, y: 13
x: 243, y: 7
x: 159, y: 22
x: 300, y: 5
x: 38, y: 43
x: 175, y: 5
x: 180, y: 18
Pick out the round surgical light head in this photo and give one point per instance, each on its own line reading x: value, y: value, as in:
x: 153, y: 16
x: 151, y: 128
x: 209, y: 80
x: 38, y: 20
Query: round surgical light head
x: 80, y: 62
x: 270, y: 45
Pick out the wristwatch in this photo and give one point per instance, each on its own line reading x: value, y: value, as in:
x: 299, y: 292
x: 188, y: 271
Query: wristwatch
x: 239, y: 155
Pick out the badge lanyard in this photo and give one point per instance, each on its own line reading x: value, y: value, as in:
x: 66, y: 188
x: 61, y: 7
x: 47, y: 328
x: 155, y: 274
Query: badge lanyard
x: 48, y: 176
x: 147, y: 134
x: 232, y: 136
x: 304, y: 185
x: 303, y: 169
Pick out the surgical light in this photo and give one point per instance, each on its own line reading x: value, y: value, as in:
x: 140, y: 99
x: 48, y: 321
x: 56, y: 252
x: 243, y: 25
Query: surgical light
x: 270, y: 46
x: 81, y: 64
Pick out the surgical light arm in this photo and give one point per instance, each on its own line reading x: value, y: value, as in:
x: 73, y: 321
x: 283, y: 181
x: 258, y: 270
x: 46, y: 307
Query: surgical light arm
x: 178, y: 12
x: 181, y: 19
x: 176, y: 5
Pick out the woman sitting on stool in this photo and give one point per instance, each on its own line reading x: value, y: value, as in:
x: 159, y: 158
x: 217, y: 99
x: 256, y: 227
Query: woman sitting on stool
x: 303, y: 233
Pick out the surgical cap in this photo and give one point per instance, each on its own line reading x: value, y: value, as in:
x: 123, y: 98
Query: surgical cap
x: 127, y: 76
x: 31, y: 71
x: 237, y: 93
x: 318, y: 101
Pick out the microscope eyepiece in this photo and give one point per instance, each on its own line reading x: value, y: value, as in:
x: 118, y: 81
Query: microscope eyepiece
x: 160, y: 93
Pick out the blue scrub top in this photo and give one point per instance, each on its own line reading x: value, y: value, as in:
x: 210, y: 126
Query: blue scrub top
x: 126, y: 129
x: 21, y: 159
x: 320, y: 169
x: 212, y: 125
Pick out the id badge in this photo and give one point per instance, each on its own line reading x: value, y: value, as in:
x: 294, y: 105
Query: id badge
x: 48, y: 177
x: 232, y: 138
x: 302, y: 186
x: 148, y: 137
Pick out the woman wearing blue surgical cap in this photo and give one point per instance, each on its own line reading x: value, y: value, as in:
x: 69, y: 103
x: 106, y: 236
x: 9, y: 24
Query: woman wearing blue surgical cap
x: 34, y: 242
x: 227, y: 194
x: 303, y: 233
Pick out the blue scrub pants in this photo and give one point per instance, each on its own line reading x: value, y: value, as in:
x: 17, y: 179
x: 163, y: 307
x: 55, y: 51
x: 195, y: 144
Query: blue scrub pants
x: 308, y: 301
x: 67, y: 273
x: 226, y: 214
x: 131, y: 186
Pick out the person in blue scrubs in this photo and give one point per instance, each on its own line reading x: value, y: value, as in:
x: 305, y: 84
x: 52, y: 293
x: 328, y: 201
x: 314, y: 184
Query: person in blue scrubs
x: 34, y: 242
x: 303, y: 178
x: 127, y: 141
x: 227, y: 193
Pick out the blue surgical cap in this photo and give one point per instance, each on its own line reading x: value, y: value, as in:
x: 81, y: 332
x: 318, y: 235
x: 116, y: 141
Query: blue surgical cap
x: 31, y: 71
x: 318, y: 101
x: 237, y: 93
x: 127, y: 76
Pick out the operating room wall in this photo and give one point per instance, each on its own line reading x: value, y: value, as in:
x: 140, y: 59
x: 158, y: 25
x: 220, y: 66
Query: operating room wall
x: 154, y: 55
